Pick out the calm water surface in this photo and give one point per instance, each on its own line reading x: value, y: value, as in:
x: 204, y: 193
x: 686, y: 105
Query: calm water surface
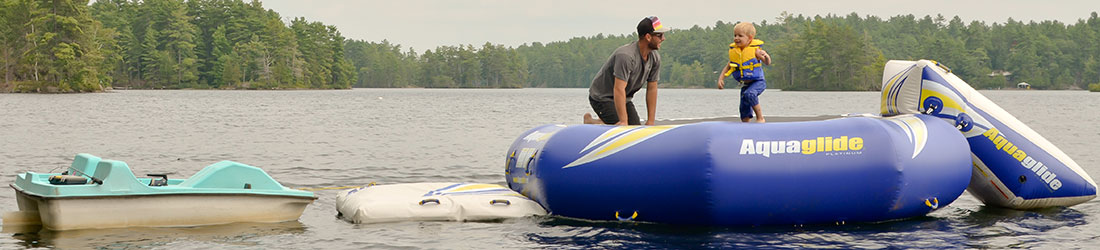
x: 313, y: 139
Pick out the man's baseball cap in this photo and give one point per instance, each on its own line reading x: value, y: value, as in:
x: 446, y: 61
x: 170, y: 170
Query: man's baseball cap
x: 651, y: 24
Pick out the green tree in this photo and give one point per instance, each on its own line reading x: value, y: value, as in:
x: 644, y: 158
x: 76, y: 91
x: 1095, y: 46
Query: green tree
x: 322, y: 47
x: 828, y: 56
x: 179, y: 35
x: 60, y: 44
x: 13, y: 15
x: 151, y: 60
x: 230, y: 74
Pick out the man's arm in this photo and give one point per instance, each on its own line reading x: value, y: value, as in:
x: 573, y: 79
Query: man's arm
x: 651, y: 103
x: 619, y: 97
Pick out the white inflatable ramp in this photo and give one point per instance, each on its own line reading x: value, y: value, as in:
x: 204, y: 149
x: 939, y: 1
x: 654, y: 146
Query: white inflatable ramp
x: 433, y: 202
x: 1014, y: 166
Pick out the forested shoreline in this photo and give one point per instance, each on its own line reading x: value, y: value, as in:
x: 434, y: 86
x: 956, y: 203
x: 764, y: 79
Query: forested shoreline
x: 71, y: 46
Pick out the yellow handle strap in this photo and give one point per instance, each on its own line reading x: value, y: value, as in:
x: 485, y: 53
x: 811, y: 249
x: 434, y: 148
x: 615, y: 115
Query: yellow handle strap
x: 631, y: 218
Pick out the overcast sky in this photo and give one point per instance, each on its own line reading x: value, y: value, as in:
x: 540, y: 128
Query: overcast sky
x: 427, y: 24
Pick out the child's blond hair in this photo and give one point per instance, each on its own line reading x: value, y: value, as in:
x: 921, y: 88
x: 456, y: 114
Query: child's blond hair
x: 745, y: 28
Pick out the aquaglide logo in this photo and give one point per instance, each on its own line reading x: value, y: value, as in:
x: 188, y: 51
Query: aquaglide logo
x: 1035, y: 166
x: 843, y: 144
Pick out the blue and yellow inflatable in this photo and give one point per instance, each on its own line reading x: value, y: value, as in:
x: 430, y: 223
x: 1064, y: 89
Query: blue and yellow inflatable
x: 855, y: 169
x: 1013, y: 166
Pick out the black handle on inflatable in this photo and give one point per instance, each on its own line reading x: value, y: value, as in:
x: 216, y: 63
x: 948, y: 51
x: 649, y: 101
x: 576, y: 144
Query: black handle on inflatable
x: 426, y: 201
x: 500, y: 202
x: 932, y: 106
x: 963, y: 122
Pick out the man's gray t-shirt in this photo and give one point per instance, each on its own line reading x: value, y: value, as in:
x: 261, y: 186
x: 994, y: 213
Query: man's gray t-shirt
x: 626, y: 63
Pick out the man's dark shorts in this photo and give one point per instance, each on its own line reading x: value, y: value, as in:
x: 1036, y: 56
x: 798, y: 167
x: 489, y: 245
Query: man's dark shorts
x: 606, y: 112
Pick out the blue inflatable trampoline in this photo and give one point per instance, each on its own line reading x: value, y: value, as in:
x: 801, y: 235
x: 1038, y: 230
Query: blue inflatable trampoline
x: 856, y: 169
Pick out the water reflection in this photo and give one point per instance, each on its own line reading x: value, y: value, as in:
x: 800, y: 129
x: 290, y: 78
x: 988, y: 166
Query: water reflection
x: 574, y: 233
x: 994, y: 227
x: 235, y: 234
x: 985, y: 227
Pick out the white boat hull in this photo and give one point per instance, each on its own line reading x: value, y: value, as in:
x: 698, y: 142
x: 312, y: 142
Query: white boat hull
x: 175, y: 210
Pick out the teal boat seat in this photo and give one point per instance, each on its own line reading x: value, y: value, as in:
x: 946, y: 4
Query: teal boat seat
x: 84, y: 164
x: 117, y: 176
x: 232, y: 175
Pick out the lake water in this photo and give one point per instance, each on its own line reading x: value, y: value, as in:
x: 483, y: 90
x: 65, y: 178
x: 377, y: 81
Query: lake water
x: 315, y: 139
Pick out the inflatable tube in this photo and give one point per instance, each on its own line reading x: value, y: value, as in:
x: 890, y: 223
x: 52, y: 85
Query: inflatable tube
x: 433, y: 202
x: 722, y: 173
x: 1013, y: 166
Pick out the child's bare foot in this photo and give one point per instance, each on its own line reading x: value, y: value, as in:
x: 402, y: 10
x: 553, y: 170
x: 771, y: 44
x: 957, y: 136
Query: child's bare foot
x: 760, y: 119
x: 588, y: 119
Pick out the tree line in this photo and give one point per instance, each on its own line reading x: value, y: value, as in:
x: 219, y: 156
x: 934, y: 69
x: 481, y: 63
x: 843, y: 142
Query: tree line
x: 71, y: 46
x: 848, y: 52
x: 386, y: 65
x: 811, y: 53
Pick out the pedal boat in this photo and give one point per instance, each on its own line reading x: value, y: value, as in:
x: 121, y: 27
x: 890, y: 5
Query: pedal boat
x: 108, y: 195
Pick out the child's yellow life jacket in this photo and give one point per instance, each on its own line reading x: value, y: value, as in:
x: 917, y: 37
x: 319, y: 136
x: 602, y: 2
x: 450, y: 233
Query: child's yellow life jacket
x: 745, y: 63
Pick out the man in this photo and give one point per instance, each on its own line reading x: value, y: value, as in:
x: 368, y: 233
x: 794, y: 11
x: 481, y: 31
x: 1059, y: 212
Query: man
x: 629, y: 67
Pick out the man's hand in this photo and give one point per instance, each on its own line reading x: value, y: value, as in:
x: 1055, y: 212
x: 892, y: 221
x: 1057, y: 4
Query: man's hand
x: 721, y: 83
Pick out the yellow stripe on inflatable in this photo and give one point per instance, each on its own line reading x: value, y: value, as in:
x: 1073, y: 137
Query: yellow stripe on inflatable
x: 920, y: 134
x: 606, y: 135
x: 472, y: 187
x: 947, y: 101
x: 915, y: 130
x: 633, y: 136
x: 630, y: 138
x: 613, y: 132
x: 886, y: 101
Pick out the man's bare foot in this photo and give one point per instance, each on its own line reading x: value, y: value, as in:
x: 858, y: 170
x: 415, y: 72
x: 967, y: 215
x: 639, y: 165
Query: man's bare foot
x: 588, y: 119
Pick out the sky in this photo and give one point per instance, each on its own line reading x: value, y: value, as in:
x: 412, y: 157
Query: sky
x: 427, y: 24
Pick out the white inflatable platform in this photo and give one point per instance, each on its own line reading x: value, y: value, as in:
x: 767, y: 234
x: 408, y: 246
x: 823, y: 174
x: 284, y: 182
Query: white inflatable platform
x: 433, y: 202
